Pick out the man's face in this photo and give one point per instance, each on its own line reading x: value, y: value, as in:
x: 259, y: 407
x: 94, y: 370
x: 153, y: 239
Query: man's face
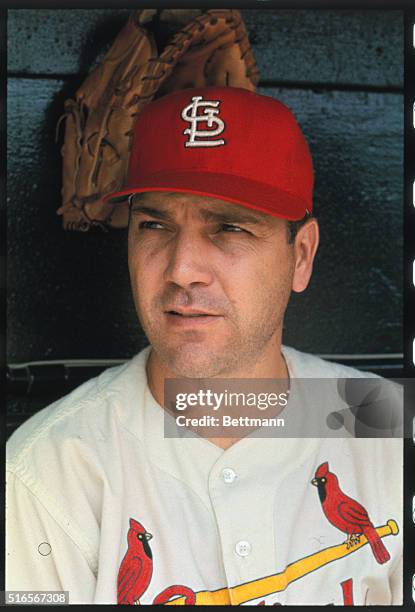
x: 191, y: 255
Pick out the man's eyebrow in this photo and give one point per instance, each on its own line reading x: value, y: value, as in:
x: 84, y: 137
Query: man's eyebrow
x: 225, y: 216
x: 152, y: 212
x: 231, y: 216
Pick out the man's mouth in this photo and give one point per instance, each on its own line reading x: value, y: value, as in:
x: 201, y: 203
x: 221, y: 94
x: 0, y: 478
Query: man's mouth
x: 190, y: 312
x: 190, y: 317
x: 196, y: 314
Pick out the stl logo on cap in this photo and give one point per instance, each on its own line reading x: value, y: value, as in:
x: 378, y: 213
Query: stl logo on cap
x: 209, y: 114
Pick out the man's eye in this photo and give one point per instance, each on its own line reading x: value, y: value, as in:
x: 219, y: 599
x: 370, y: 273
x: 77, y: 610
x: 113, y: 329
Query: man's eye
x: 149, y: 225
x: 227, y: 227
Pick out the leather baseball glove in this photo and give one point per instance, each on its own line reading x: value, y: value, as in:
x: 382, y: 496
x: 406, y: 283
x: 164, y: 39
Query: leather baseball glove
x: 210, y: 49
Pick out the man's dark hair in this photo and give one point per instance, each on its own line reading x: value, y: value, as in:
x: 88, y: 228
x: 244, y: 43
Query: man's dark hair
x: 294, y: 226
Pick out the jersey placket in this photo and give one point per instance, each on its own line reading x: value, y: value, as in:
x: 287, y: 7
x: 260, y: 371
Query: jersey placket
x: 242, y: 489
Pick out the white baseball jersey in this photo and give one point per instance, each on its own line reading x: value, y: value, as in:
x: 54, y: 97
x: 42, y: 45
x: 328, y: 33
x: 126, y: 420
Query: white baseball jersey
x: 101, y: 504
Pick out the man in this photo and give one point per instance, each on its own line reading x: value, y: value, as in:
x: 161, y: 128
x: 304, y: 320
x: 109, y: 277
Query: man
x: 101, y: 503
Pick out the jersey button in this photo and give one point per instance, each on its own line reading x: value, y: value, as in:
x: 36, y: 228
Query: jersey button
x: 243, y: 548
x: 228, y: 475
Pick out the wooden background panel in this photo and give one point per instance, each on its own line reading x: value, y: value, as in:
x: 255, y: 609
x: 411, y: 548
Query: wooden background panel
x: 328, y: 46
x: 69, y: 293
x: 63, y: 41
x: 320, y: 46
x: 355, y: 294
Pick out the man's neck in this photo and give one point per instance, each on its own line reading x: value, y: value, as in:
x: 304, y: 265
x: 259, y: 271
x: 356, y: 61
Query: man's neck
x: 273, y: 366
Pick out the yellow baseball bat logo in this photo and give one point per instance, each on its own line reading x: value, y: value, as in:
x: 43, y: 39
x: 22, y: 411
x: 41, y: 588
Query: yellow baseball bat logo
x: 279, y: 582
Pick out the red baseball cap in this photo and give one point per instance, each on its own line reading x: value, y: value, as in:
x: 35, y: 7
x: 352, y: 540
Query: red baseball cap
x: 224, y: 142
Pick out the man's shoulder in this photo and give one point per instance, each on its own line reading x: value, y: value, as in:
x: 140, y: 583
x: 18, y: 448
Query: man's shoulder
x: 85, y: 409
x: 307, y: 365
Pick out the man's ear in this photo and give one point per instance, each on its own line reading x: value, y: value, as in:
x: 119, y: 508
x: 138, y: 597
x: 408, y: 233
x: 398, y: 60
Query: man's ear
x: 305, y: 248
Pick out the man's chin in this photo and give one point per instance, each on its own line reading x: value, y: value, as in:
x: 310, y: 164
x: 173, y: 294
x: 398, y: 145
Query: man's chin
x: 193, y: 362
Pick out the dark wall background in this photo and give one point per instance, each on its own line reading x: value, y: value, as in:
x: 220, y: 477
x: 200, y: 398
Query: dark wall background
x: 341, y: 72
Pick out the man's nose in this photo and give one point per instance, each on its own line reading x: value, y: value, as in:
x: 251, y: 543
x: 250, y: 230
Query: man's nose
x: 188, y: 260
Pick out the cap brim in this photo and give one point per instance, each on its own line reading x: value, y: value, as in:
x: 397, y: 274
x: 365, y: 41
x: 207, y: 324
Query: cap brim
x: 227, y: 187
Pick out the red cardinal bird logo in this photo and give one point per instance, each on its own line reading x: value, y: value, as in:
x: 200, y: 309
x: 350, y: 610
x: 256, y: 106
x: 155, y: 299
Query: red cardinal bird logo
x: 136, y: 568
x: 346, y: 513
